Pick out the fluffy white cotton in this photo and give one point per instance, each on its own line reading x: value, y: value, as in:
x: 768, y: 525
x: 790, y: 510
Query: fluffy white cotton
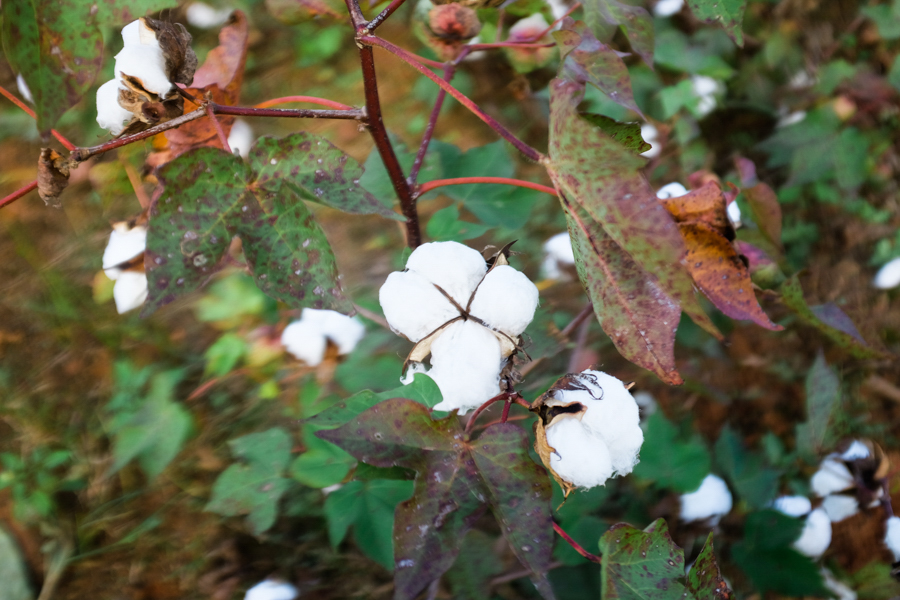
x: 558, y: 253
x: 855, y: 451
x: 671, y: 190
x: 204, y: 16
x: 734, y: 214
x: 307, y: 338
x: 705, y: 89
x: 146, y: 62
x: 528, y: 28
x: 491, y: 300
x: 841, y: 590
x: 832, y: 476
x: 816, y: 534
x: 888, y: 276
x: 124, y: 245
x: 839, y: 507
x: 651, y: 136
x: 110, y: 114
x: 456, y: 268
x: 892, y: 537
x: 466, y: 364
x: 710, y: 501
x: 271, y: 590
x: 413, y: 306
x: 791, y: 118
x: 130, y: 290
x: 23, y: 88
x: 792, y: 506
x: 800, y: 80
x: 667, y: 8
x: 578, y: 456
x: 241, y: 137
x: 137, y: 33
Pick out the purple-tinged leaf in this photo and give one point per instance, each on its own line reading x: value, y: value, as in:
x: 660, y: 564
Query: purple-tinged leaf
x: 728, y: 13
x: 635, y: 22
x: 705, y: 581
x: 766, y: 211
x: 586, y: 60
x: 317, y: 171
x: 635, y: 313
x: 641, y: 565
x: 831, y: 314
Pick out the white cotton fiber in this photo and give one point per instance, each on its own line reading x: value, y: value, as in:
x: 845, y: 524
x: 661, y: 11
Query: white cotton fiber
x: 528, y: 28
x: 130, y: 290
x: 456, y: 268
x: 888, y: 276
x: 145, y: 62
x: 734, y: 214
x: 710, y: 501
x: 23, y: 89
x: 204, y: 16
x: 832, y: 476
x: 839, y: 507
x: 580, y: 457
x: 506, y: 300
x: 137, y: 33
x: 124, y: 245
x: 413, y: 306
x: 307, y: 338
x: 816, y: 535
x: 241, y: 137
x: 667, y: 8
x: 305, y: 341
x: 892, y: 537
x: 855, y: 451
x: 792, y: 506
x: 671, y: 190
x: 465, y: 364
x: 272, y: 590
x: 110, y: 114
x: 651, y: 135
x: 840, y: 589
x: 560, y: 248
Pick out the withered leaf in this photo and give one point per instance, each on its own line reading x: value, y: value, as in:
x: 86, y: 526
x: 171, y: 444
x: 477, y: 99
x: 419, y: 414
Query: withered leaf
x: 53, y: 175
x: 704, y: 205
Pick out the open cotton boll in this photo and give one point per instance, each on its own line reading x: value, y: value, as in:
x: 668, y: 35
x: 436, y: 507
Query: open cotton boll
x: 204, y: 16
x: 124, y: 245
x: 892, y: 537
x: 855, y: 451
x: 832, y: 476
x: 272, y: 590
x: 559, y: 253
x: 23, y: 89
x: 667, y: 8
x: 816, y: 535
x: 344, y: 331
x: 412, y: 306
x: 579, y: 456
x: 651, y: 136
x: 147, y: 63
x: 705, y: 89
x: 710, y: 501
x: 305, y: 341
x: 840, y: 507
x: 792, y: 506
x: 492, y: 300
x: 465, y: 364
x: 671, y: 190
x: 241, y: 137
x: 130, y: 290
x: 734, y: 214
x: 888, y: 276
x: 137, y: 33
x: 456, y: 268
x: 110, y: 114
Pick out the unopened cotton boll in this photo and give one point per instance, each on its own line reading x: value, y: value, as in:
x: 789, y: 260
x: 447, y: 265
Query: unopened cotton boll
x: 110, y: 114
x: 466, y: 364
x: 125, y: 244
x: 816, y: 535
x: 710, y: 501
x: 667, y: 8
x: 307, y: 338
x: 130, y: 290
x: 832, y: 476
x: 204, y: 16
x: 241, y: 137
x: 490, y: 305
x: 671, y: 190
x: 839, y: 507
x: 792, y: 506
x: 272, y: 590
x: 412, y: 306
x: 456, y: 268
x: 892, y: 537
x: 651, y: 135
x: 888, y: 276
x: 23, y: 89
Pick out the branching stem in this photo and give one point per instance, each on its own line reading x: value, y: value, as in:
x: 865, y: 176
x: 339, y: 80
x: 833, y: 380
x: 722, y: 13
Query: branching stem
x: 379, y: 19
x: 223, y: 139
x: 18, y: 193
x: 307, y: 99
x: 576, y: 545
x: 430, y: 185
x: 60, y: 137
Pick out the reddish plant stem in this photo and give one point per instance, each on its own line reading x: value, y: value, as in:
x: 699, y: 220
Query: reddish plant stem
x: 403, y: 55
x: 18, y: 194
x: 504, y: 397
x: 380, y: 17
x: 575, y: 7
x: 491, y: 45
x: 505, y: 414
x: 576, y: 545
x: 356, y: 15
x: 82, y: 154
x: 60, y: 137
x: 580, y: 318
x: 290, y: 113
x: 308, y: 99
x: 449, y: 71
x: 430, y: 185
x: 223, y: 139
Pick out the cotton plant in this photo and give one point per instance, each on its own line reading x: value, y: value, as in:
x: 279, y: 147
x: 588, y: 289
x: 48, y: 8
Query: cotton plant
x: 462, y: 313
x: 525, y: 30
x: 706, y: 90
x: 307, y: 338
x: 667, y: 8
x: 271, y: 589
x: 815, y: 537
x: 123, y: 262
x: 850, y: 480
x: 888, y: 276
x: 241, y: 137
x: 558, y: 255
x: 892, y: 537
x: 203, y: 16
x: 708, y: 503
x: 650, y: 134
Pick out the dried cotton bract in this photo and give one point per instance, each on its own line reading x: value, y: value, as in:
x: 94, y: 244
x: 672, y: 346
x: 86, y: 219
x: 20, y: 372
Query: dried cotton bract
x: 123, y: 263
x: 588, y: 430
x: 466, y: 317
x: 308, y: 337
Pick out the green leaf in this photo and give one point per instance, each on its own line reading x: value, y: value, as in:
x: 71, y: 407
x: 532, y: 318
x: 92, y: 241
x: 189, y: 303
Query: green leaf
x: 254, y: 485
x: 641, y: 565
x: 635, y: 22
x: 627, y: 134
x: 322, y: 464
x: 705, y: 581
x: 823, y: 394
x: 232, y: 299
x: 476, y: 564
x: 224, y: 354
x: 746, y: 471
x: 728, y: 13
x: 376, y: 180
x: 669, y: 460
x: 886, y: 17
x: 444, y: 225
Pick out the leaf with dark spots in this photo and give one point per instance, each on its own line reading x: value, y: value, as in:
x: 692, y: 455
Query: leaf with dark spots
x: 766, y: 211
x: 705, y: 581
x: 122, y: 12
x: 316, y: 170
x: 635, y: 22
x: 704, y: 205
x: 641, y: 565
x: 627, y: 134
x: 587, y: 60
x: 728, y: 13
x: 721, y: 275
x: 635, y: 313
x: 292, y: 12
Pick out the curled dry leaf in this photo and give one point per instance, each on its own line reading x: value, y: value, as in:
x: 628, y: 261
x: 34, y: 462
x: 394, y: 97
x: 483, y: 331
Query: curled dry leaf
x: 53, y: 175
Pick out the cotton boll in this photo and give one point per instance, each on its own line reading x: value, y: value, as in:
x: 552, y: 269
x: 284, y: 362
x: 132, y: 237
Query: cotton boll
x: 558, y: 250
x: 241, y: 137
x: 110, y: 114
x: 832, y: 476
x: 304, y: 339
x: 412, y: 306
x: 456, y: 268
x: 344, y: 331
x: 855, y: 451
x: 651, y: 136
x: 579, y: 457
x: 204, y: 16
x: 841, y: 590
x: 124, y: 245
x: 412, y: 371
x: 130, y: 290
x: 465, y: 364
x: 271, y: 590
x: 892, y: 537
x: 137, y: 33
x: 667, y: 8
x: 146, y: 62
x: 671, y: 190
x: 792, y: 506
x: 528, y: 28
x: 711, y: 501
x: 506, y: 300
x: 791, y: 118
x: 840, y: 507
x: 816, y: 535
x: 734, y: 214
x: 705, y: 89
x: 888, y: 276
x: 23, y: 89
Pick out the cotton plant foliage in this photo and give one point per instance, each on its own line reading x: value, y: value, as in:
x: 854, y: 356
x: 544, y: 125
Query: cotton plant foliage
x: 465, y: 316
x: 588, y: 430
x: 123, y: 262
x: 308, y: 337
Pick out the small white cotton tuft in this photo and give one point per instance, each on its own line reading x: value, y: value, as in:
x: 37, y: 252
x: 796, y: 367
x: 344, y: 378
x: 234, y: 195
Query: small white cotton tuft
x: 710, y: 501
x: 412, y: 306
x: 124, y: 245
x: 667, y: 8
x: 130, y: 290
x: 816, y: 535
x: 23, y: 89
x: 465, y: 364
x: 272, y: 590
x: 528, y: 28
x: 411, y: 371
x: 204, y: 16
x: 792, y: 506
x: 705, y: 89
x: 671, y: 190
x: 559, y: 253
x: 306, y: 338
x: 305, y: 341
x: 840, y: 507
x: 580, y: 457
x: 241, y: 137
x: 558, y: 7
x: 505, y: 300
x: 651, y: 136
x: 456, y: 268
x: 832, y: 476
x: 147, y: 63
x: 137, y: 33
x: 734, y: 214
x: 892, y: 537
x: 791, y: 118
x: 855, y: 451
x: 841, y: 590
x: 888, y: 276
x: 110, y: 114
